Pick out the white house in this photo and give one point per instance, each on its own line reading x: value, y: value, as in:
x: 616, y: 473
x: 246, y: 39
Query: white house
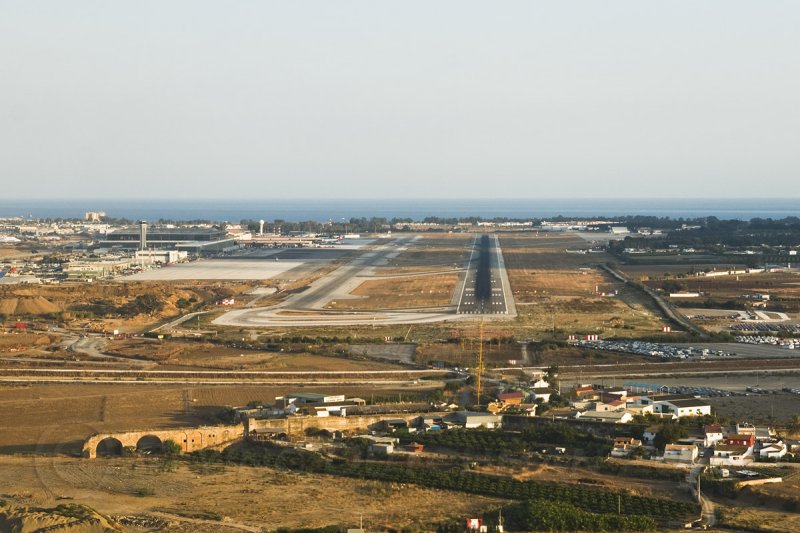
x: 713, y: 435
x: 773, y: 450
x: 649, y: 434
x: 731, y: 455
x: 541, y: 384
x: 680, y: 453
x: 625, y: 446
x: 542, y: 394
x: 615, y: 405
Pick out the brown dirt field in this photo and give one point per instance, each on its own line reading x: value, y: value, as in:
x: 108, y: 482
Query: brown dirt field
x: 13, y: 252
x: 23, y: 341
x: 466, y: 353
x: 759, y: 519
x: 227, y: 498
x: 59, y: 417
x: 27, y: 305
x: 401, y: 293
x: 146, y: 349
x: 215, y: 357
x: 771, y: 507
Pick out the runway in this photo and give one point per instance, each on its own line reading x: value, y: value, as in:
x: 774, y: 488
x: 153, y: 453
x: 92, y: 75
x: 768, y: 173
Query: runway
x: 485, y: 290
x: 308, y: 308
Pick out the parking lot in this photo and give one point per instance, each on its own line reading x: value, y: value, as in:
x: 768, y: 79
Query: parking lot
x: 654, y: 349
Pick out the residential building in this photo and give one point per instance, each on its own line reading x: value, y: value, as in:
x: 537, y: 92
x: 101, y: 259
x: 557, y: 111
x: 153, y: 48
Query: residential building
x: 731, y: 455
x: 649, y: 434
x: 680, y: 453
x: 625, y: 446
x: 773, y: 450
x: 737, y: 439
x: 511, y: 398
x: 713, y: 435
x: 542, y: 394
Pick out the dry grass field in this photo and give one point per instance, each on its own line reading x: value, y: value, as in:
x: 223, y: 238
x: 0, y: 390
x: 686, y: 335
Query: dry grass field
x: 101, y: 306
x: 539, y: 267
x: 401, y: 293
x: 769, y: 508
x: 466, y: 353
x: 203, y: 355
x: 57, y: 418
x: 560, y: 291
x: 431, y: 253
x: 14, y: 342
x: 227, y: 498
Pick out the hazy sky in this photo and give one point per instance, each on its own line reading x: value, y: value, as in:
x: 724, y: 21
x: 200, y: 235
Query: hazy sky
x: 399, y: 99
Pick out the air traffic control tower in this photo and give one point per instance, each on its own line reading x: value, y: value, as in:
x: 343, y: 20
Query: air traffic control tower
x: 143, y: 235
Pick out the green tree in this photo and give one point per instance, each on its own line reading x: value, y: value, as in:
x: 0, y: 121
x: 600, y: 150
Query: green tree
x: 171, y: 448
x: 550, y: 374
x: 144, y: 304
x: 668, y: 433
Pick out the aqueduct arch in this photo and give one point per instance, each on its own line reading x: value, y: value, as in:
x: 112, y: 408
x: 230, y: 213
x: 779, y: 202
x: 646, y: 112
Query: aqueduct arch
x: 150, y: 444
x: 189, y: 439
x: 108, y: 446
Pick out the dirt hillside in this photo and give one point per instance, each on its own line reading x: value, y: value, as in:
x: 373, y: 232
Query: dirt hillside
x: 27, y: 305
x: 69, y: 518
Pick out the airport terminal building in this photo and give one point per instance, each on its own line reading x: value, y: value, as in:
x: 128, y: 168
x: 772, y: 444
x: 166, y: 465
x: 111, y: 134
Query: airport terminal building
x: 192, y: 240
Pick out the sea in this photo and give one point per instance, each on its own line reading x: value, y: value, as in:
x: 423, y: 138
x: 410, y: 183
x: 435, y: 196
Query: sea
x: 322, y: 210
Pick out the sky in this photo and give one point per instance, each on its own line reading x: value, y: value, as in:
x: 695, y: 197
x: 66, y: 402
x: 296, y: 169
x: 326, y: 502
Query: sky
x: 399, y: 99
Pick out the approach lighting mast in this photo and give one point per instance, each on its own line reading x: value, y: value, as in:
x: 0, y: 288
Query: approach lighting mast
x: 480, y: 368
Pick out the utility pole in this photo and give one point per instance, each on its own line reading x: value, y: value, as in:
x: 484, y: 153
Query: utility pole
x: 699, y: 499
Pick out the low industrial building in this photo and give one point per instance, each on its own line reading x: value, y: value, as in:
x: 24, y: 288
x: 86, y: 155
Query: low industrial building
x: 471, y: 420
x: 682, y: 407
x: 99, y: 269
x: 160, y: 256
x: 612, y: 417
